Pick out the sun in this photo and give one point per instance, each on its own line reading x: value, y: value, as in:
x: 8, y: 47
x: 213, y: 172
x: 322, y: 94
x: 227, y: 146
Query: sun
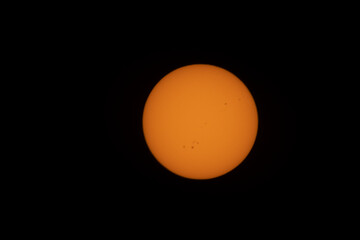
x: 200, y: 121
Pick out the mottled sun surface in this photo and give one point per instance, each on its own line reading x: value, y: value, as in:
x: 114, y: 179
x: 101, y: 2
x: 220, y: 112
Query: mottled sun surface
x: 200, y: 121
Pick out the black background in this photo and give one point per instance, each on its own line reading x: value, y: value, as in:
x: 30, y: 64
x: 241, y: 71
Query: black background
x: 108, y: 72
x: 113, y: 159
x: 90, y: 70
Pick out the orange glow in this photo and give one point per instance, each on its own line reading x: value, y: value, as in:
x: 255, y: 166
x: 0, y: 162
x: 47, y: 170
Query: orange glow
x: 200, y: 121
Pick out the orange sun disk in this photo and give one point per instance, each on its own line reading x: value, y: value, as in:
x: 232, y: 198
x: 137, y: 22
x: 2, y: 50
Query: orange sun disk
x: 200, y: 121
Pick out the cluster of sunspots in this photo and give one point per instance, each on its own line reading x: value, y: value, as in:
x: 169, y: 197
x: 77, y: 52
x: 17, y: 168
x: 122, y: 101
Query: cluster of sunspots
x: 192, y: 146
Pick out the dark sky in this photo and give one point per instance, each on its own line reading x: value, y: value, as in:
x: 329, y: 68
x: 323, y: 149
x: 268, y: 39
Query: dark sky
x: 87, y: 162
x: 112, y: 75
